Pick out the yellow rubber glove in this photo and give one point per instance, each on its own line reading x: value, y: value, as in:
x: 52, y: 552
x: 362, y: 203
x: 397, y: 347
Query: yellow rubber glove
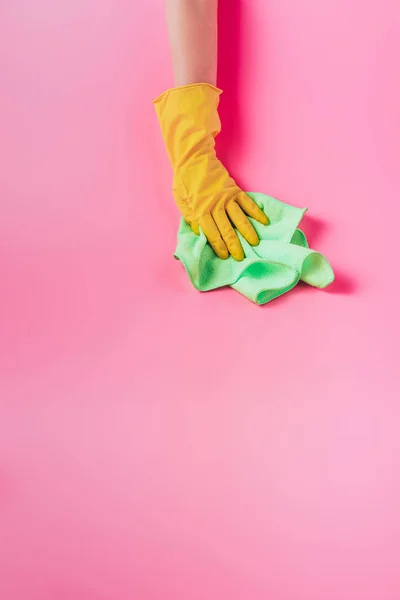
x: 206, y: 195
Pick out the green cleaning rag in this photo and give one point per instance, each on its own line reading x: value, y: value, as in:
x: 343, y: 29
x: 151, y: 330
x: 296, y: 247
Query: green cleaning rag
x: 268, y: 270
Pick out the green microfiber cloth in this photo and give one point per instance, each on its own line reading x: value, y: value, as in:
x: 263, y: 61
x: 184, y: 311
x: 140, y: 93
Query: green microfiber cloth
x: 268, y: 270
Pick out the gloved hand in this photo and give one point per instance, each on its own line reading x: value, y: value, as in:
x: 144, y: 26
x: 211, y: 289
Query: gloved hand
x: 206, y: 195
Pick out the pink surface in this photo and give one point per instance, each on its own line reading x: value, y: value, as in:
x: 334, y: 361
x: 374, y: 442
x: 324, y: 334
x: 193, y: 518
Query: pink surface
x: 156, y: 443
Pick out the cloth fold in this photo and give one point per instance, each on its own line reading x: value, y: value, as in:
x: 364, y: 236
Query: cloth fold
x: 268, y: 270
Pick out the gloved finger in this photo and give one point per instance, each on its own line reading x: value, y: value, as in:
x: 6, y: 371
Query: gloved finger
x: 228, y: 234
x: 251, y: 208
x: 195, y: 227
x: 242, y: 223
x: 213, y: 236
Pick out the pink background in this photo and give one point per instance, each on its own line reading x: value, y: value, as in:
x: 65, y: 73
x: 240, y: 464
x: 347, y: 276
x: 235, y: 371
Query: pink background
x: 157, y: 443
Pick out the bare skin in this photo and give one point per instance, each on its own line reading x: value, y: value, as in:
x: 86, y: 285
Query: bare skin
x: 192, y: 30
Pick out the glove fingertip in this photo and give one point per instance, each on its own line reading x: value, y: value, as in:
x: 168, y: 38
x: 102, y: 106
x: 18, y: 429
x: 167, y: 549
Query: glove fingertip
x: 238, y: 254
x: 253, y: 240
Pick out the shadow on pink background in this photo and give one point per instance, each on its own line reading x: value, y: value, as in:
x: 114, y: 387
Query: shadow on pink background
x: 157, y: 443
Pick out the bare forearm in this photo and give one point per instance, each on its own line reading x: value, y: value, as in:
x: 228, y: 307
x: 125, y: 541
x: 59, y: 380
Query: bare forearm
x: 192, y: 29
